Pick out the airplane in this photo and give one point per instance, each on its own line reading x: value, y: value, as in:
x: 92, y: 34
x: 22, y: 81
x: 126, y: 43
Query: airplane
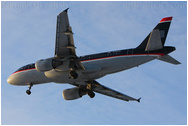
x: 82, y: 71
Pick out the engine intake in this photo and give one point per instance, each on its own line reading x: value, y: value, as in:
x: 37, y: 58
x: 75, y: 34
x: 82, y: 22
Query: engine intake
x: 47, y: 64
x: 73, y: 93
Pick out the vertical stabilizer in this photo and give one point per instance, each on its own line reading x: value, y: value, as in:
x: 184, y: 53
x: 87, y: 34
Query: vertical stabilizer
x: 156, y: 38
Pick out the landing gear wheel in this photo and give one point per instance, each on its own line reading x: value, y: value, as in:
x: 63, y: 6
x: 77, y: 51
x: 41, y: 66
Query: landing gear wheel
x: 89, y: 90
x: 91, y: 94
x: 28, y: 92
x: 73, y: 74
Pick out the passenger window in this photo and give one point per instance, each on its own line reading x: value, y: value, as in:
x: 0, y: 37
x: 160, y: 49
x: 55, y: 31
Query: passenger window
x: 33, y: 66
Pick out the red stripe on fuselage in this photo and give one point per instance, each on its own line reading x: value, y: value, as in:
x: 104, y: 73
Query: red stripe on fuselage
x: 123, y: 55
x: 23, y: 70
x: 160, y: 54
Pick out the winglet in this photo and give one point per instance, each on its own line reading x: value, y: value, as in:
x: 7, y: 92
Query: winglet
x: 66, y: 10
x: 138, y: 100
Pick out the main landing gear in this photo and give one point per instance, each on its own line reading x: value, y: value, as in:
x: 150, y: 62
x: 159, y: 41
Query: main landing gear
x: 73, y: 74
x: 89, y: 90
x: 29, y: 91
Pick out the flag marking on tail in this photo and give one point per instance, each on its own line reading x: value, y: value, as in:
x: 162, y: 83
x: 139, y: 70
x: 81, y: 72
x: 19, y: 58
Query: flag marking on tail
x: 166, y: 19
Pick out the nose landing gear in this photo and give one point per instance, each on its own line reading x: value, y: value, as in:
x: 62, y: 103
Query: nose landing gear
x: 29, y: 91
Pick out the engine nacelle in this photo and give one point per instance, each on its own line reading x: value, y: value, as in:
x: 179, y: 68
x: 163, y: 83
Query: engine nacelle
x: 44, y: 65
x: 73, y: 93
x: 47, y: 64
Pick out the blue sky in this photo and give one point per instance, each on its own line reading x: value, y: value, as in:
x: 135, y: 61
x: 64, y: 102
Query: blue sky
x: 28, y: 34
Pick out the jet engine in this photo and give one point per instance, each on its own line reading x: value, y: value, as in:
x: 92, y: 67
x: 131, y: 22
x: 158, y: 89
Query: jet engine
x: 47, y: 64
x: 73, y: 93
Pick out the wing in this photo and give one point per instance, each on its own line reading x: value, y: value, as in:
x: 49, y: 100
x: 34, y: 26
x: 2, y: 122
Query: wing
x: 96, y: 87
x: 64, y: 47
x: 112, y: 93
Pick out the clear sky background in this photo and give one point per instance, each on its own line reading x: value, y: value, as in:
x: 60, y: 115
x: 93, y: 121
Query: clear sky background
x: 28, y: 34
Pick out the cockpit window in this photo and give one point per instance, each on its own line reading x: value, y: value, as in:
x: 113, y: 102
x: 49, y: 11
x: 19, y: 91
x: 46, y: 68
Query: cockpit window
x: 29, y: 66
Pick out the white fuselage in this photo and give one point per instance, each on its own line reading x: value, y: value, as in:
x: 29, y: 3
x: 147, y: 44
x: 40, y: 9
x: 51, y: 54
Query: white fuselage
x: 94, y: 69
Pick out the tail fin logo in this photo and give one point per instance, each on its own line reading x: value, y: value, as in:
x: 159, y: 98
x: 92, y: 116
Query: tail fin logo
x: 156, y: 38
x: 166, y: 19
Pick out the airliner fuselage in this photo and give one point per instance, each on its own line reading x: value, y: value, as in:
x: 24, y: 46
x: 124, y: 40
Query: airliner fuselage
x: 96, y: 66
x: 82, y: 72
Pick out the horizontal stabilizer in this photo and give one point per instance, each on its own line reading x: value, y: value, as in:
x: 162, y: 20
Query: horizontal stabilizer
x: 169, y: 59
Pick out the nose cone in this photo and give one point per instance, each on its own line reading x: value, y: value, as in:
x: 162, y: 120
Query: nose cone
x: 10, y: 80
x: 13, y: 79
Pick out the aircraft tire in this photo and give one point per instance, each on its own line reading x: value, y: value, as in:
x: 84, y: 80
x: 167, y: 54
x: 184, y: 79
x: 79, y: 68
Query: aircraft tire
x: 91, y: 94
x: 28, y: 92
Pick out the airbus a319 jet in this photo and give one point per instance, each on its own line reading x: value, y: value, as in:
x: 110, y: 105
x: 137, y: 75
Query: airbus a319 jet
x: 82, y: 72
